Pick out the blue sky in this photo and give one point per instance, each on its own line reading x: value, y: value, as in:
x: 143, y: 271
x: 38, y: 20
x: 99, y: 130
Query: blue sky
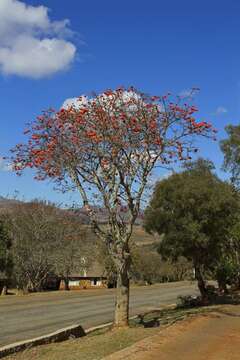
x: 155, y: 45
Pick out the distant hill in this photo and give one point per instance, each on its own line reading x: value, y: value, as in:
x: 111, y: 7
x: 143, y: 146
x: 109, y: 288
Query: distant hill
x: 6, y: 203
x: 139, y: 235
x: 6, y: 200
x: 3, y: 200
x: 102, y: 215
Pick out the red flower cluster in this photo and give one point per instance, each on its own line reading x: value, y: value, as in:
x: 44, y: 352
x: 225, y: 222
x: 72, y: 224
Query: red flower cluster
x: 112, y: 128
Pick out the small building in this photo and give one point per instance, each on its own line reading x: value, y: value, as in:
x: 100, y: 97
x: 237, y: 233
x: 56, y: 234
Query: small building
x: 90, y: 279
x: 77, y: 282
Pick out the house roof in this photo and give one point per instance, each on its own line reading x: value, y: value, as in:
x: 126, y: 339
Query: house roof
x: 77, y: 276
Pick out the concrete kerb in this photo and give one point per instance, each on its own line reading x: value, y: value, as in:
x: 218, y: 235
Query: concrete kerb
x: 73, y: 331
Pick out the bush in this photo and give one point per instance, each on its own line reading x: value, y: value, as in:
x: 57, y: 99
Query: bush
x: 188, y: 301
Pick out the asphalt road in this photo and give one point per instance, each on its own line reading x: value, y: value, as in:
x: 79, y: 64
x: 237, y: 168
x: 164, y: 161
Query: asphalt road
x: 25, y: 317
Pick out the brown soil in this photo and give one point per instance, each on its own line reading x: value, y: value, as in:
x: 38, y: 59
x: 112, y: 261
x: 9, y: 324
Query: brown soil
x: 213, y: 336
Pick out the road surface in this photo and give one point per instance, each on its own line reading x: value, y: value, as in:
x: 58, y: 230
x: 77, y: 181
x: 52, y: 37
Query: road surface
x: 25, y: 317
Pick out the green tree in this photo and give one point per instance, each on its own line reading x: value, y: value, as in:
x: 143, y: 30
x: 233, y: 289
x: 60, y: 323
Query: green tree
x: 145, y: 266
x: 234, y: 254
x: 5, y: 247
x: 226, y: 272
x: 231, y: 150
x: 196, y: 212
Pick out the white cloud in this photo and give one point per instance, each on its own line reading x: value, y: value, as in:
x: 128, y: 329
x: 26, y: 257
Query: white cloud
x: 5, y: 166
x: 31, y: 44
x: 103, y: 98
x: 75, y: 102
x: 221, y: 110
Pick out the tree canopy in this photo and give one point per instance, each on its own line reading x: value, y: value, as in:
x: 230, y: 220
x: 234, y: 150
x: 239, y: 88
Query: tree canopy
x: 231, y: 150
x: 196, y: 212
x: 5, y: 244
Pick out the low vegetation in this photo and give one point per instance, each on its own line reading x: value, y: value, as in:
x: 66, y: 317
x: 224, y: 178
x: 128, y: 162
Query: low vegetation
x: 42, y: 241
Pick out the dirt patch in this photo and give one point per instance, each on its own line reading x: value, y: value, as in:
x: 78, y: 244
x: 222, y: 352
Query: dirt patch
x: 211, y: 336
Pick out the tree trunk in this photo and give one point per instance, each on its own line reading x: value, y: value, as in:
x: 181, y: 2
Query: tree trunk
x: 238, y: 282
x: 122, y: 298
x: 23, y: 290
x: 4, y: 290
x: 222, y: 286
x: 201, y: 282
x: 66, y: 284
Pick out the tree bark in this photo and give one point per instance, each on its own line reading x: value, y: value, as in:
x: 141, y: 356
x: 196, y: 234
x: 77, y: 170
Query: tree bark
x: 23, y: 290
x: 238, y: 282
x: 201, y: 282
x: 66, y: 284
x: 122, y: 298
x: 4, y: 290
x: 222, y: 286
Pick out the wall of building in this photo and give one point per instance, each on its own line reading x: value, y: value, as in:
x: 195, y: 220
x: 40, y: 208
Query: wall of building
x: 78, y: 284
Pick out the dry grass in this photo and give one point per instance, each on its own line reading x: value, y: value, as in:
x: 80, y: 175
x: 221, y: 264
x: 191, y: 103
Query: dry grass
x: 139, y: 235
x: 87, y: 348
